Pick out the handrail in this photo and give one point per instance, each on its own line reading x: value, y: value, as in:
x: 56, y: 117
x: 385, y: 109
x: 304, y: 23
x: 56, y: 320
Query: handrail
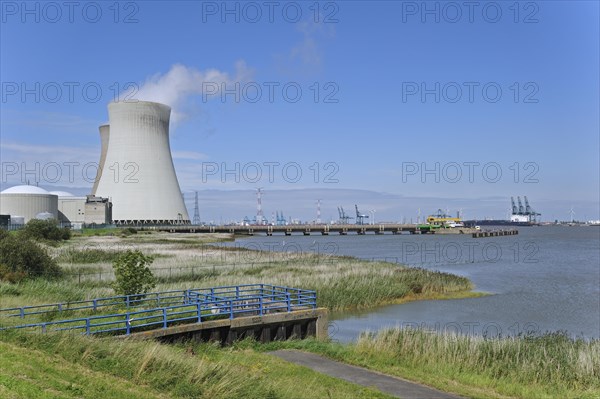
x: 137, y: 300
x: 189, y: 312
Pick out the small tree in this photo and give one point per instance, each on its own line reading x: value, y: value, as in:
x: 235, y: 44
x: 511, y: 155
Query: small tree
x: 133, y: 276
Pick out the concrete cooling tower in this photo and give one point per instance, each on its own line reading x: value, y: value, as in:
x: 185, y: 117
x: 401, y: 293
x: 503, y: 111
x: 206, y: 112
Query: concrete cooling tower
x: 104, y: 136
x: 137, y: 171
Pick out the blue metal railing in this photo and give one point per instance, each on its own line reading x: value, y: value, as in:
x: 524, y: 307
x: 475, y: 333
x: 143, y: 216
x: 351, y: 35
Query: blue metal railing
x: 155, y: 299
x: 198, y: 305
x: 129, y: 301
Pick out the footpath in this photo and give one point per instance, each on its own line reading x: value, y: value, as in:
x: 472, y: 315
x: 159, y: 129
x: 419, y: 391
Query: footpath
x: 391, y: 385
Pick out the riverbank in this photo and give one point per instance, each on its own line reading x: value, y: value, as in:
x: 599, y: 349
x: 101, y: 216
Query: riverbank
x: 551, y: 365
x: 75, y: 366
x: 185, y: 261
x: 70, y: 365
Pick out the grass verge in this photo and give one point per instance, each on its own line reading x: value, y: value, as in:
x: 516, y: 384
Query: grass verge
x: 551, y: 365
x: 66, y: 366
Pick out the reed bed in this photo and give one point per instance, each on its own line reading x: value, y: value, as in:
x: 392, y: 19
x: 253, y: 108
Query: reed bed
x: 185, y: 261
x: 542, y: 365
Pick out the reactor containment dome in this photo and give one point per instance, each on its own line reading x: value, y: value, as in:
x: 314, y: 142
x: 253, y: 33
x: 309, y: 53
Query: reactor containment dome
x: 28, y: 202
x: 136, y: 168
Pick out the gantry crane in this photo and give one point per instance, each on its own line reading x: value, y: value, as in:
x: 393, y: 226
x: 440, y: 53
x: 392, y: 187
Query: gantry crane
x: 344, y: 219
x: 360, y: 218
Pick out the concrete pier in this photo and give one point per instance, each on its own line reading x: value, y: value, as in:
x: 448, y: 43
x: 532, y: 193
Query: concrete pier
x: 309, y: 229
x: 495, y: 233
x: 298, y: 324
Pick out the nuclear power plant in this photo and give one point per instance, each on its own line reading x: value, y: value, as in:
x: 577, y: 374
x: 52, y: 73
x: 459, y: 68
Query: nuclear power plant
x: 136, y: 182
x: 136, y: 169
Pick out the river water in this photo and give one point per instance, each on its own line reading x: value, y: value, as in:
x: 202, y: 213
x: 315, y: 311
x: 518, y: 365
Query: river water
x: 546, y: 278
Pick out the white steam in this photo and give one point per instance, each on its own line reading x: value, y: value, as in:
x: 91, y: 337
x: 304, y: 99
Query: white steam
x: 176, y: 87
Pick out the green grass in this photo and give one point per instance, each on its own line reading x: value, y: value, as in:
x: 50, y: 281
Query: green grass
x: 32, y: 374
x: 71, y: 255
x: 551, y: 365
x: 341, y: 285
x: 59, y: 365
x: 104, y: 231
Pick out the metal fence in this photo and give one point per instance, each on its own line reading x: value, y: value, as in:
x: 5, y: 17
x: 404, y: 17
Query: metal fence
x: 197, y: 305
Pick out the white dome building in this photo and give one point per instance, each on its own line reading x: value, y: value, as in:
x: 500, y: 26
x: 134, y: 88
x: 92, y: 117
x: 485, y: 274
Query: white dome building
x: 28, y: 202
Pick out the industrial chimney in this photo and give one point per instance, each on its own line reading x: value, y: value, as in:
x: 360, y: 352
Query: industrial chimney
x: 138, y: 173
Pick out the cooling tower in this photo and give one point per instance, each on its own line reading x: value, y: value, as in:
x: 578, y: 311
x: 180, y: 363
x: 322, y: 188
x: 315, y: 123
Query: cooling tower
x: 104, y: 136
x: 138, y: 174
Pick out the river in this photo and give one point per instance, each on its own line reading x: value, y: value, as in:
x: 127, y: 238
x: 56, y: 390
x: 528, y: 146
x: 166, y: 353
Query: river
x: 547, y: 278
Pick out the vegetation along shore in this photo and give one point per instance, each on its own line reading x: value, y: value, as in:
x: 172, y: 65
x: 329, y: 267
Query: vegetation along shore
x: 80, y: 267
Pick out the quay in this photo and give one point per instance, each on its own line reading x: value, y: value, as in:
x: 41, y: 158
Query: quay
x: 224, y: 314
x: 309, y: 229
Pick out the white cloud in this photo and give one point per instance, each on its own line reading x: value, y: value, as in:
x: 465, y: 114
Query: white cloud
x: 176, y: 87
x: 307, y: 55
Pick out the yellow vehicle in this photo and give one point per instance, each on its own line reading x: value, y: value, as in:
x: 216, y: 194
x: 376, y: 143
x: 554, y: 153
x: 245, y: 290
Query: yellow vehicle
x: 443, y: 220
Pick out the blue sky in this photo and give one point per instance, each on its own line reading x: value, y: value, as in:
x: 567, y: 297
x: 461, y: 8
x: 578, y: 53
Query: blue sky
x: 370, y: 133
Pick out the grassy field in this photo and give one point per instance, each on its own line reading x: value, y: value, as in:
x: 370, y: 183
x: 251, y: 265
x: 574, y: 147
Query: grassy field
x: 74, y: 366
x: 551, y: 365
x: 60, y: 365
x: 188, y: 261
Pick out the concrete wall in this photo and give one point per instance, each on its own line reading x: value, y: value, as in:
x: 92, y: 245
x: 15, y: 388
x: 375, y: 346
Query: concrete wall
x: 276, y: 326
x: 28, y: 205
x: 71, y: 209
x: 98, y: 213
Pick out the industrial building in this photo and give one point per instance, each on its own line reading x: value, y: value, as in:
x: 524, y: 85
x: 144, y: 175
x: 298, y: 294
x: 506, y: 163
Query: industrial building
x: 136, y: 168
x: 98, y: 210
x: 135, y: 184
x: 24, y: 203
x: 88, y: 210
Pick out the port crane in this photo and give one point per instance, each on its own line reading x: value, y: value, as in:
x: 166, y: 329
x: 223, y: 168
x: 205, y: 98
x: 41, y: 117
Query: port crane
x: 360, y: 217
x: 530, y: 212
x: 527, y: 213
x: 344, y: 219
x: 521, y: 208
x: 280, y: 219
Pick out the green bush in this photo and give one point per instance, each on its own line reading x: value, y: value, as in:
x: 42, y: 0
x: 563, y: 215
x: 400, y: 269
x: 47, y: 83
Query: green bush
x: 126, y: 232
x: 132, y: 274
x: 21, y: 258
x: 92, y: 255
x: 37, y: 229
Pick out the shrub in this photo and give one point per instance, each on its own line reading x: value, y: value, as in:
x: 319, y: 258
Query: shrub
x: 45, y: 230
x: 132, y: 274
x: 21, y: 258
x: 128, y: 231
